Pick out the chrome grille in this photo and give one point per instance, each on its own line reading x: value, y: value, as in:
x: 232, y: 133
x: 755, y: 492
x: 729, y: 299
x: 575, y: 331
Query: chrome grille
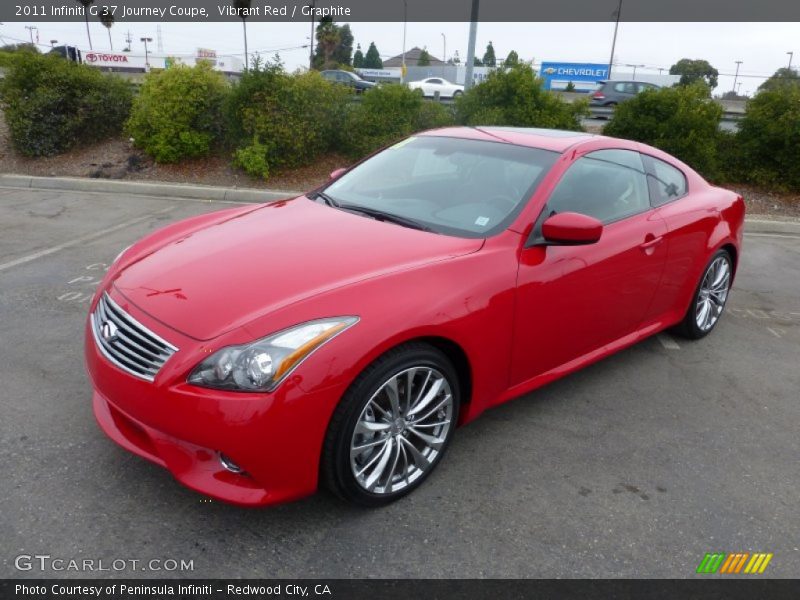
x: 126, y: 342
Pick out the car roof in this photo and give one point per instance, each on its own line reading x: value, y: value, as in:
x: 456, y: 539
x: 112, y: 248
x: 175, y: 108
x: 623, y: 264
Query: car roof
x: 557, y: 140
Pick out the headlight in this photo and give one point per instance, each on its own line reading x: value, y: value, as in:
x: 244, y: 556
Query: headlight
x: 261, y: 365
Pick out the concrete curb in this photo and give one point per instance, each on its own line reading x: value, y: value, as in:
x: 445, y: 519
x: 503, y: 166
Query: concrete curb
x: 170, y: 190
x: 753, y: 223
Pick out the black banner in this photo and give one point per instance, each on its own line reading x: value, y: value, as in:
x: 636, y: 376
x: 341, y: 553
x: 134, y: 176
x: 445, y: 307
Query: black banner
x: 405, y: 10
x: 733, y: 588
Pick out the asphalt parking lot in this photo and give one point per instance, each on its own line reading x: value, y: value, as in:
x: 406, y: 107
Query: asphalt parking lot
x: 634, y: 467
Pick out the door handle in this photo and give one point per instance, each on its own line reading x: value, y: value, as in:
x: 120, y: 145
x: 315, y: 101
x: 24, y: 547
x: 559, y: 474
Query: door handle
x: 650, y: 242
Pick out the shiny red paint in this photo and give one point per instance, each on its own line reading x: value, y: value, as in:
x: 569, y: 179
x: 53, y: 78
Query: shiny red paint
x: 512, y: 315
x: 572, y: 229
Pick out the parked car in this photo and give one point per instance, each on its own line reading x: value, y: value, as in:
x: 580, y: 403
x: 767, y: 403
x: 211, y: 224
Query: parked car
x: 339, y: 337
x: 611, y: 93
x: 431, y: 85
x: 348, y: 78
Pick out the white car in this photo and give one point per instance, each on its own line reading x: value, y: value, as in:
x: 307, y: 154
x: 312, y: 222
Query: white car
x: 431, y: 85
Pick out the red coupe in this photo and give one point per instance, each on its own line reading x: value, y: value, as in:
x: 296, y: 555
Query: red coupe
x: 341, y: 336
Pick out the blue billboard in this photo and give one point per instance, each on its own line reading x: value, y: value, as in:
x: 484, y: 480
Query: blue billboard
x: 563, y: 73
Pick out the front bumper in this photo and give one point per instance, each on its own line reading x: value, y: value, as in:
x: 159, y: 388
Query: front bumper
x: 276, y: 438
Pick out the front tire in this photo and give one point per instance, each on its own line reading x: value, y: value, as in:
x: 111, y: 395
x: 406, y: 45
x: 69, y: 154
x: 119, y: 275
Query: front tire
x: 392, y: 426
x: 709, y: 299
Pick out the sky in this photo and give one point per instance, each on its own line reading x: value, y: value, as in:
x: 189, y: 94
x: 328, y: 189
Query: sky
x: 762, y: 47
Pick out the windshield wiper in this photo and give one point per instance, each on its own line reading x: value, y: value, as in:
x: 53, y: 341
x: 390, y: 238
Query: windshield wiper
x: 380, y: 215
x: 327, y: 199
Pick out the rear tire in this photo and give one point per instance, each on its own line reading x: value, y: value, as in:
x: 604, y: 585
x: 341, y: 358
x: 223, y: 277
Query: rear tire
x: 392, y: 426
x: 709, y: 299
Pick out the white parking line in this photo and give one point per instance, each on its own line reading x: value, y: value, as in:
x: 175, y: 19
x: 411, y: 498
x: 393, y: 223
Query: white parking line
x: 80, y: 240
x: 668, y: 341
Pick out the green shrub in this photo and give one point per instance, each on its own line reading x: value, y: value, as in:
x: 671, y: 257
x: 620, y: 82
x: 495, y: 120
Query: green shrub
x: 278, y: 120
x: 52, y: 104
x: 681, y: 120
x: 253, y: 159
x: 178, y: 112
x: 388, y: 113
x: 516, y: 97
x: 769, y: 139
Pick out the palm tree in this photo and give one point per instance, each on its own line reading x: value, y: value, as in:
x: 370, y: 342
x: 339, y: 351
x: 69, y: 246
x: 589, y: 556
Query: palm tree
x: 86, y: 4
x: 107, y: 19
x: 243, y: 6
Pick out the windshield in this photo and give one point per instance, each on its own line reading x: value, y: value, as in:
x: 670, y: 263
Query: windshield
x: 453, y: 186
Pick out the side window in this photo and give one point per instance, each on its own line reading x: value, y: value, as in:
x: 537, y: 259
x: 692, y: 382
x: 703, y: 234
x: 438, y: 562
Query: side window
x: 625, y: 87
x: 608, y: 185
x: 666, y: 182
x: 435, y: 81
x: 643, y: 87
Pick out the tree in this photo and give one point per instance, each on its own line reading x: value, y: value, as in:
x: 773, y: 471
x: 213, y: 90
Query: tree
x: 358, y: 58
x: 512, y: 59
x: 695, y: 70
x: 488, y: 57
x: 243, y: 7
x: 24, y: 47
x: 328, y: 38
x: 373, y: 60
x: 781, y: 78
x: 477, y: 62
x: 86, y: 4
x: 343, y: 54
x: 424, y: 59
x: 107, y: 19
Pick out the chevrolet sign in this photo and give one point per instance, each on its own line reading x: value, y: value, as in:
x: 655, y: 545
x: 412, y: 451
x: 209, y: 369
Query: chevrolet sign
x: 574, y: 72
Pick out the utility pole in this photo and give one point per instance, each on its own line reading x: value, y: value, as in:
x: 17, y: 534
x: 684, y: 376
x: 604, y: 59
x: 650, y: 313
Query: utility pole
x: 473, y: 34
x: 311, y: 51
x: 129, y: 41
x: 791, y: 55
x: 735, y: 77
x: 444, y: 53
x: 146, y: 55
x: 403, y: 69
x: 31, y: 28
x: 614, y: 40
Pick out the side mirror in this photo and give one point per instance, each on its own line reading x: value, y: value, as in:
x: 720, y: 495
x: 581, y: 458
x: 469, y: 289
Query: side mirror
x: 337, y: 173
x: 571, y: 229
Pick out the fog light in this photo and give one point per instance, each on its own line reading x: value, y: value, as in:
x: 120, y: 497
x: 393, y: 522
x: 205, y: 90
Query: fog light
x: 229, y: 464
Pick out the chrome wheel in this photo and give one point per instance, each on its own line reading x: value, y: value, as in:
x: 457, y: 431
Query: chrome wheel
x: 401, y: 430
x: 713, y: 293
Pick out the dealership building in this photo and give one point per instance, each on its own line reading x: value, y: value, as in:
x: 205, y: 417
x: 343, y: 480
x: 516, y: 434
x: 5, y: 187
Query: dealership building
x: 125, y: 62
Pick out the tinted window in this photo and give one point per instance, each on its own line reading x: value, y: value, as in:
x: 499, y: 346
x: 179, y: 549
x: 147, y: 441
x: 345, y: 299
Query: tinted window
x: 436, y: 81
x: 666, y: 182
x: 455, y: 186
x: 608, y: 185
x: 625, y: 87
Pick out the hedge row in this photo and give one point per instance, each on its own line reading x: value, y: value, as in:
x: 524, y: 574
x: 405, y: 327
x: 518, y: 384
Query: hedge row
x: 52, y: 105
x: 272, y: 120
x: 684, y: 121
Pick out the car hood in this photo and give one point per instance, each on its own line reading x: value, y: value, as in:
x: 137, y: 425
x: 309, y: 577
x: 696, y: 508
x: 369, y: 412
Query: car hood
x: 224, y: 275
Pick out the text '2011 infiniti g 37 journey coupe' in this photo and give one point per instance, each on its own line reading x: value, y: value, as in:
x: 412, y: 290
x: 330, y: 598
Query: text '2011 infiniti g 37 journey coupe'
x: 339, y: 338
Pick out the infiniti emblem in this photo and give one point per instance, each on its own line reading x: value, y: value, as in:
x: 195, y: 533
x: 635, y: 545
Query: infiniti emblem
x: 109, y: 331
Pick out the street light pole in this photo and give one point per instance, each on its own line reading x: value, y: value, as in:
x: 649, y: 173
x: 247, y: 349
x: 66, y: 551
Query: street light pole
x: 146, y: 54
x: 473, y: 34
x: 791, y: 55
x: 614, y: 40
x: 405, y: 24
x: 444, y: 53
x: 735, y: 77
x: 634, y: 70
